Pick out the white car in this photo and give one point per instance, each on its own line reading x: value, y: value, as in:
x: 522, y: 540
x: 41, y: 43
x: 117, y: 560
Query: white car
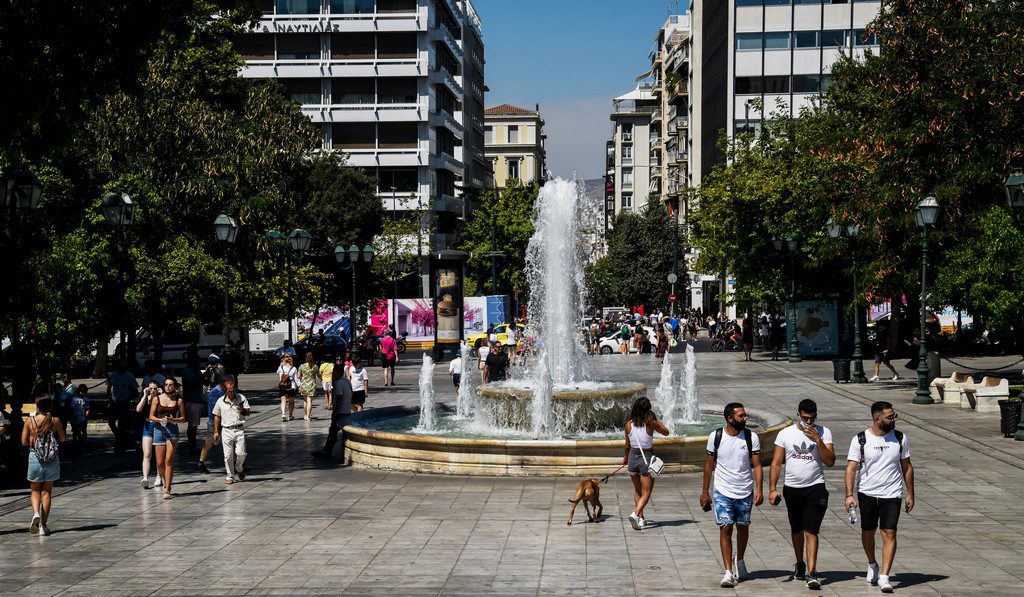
x: 612, y: 344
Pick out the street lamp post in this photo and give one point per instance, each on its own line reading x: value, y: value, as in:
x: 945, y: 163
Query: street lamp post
x: 226, y: 229
x: 21, y: 193
x: 835, y: 230
x: 789, y: 245
x: 353, y: 257
x: 119, y: 212
x: 300, y: 240
x: 1014, y: 188
x: 926, y: 214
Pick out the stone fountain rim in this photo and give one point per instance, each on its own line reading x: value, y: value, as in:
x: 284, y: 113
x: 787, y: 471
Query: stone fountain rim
x: 772, y: 423
x: 622, y: 390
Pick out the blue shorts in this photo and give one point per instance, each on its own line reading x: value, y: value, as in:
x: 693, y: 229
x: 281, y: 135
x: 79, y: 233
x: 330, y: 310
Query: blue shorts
x: 147, y: 429
x: 42, y: 472
x: 732, y: 510
x: 162, y: 433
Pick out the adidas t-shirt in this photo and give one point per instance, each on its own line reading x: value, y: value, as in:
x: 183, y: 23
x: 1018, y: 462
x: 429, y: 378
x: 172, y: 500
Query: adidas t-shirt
x: 803, y: 463
x: 880, y: 474
x: 733, y: 476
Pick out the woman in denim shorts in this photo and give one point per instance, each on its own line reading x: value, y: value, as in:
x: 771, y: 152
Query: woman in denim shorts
x: 145, y: 404
x: 167, y: 410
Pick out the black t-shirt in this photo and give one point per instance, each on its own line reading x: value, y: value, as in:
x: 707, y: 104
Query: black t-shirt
x: 497, y: 363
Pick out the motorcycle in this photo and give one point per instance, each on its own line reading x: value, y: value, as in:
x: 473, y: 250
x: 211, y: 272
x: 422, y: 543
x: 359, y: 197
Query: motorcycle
x: 401, y: 344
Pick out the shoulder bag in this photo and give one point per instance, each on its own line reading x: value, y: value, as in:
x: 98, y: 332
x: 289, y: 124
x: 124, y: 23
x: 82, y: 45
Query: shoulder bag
x: 655, y: 465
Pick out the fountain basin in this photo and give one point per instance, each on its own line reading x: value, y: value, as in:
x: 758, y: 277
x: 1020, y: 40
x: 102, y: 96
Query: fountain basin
x: 579, y: 408
x: 369, y: 448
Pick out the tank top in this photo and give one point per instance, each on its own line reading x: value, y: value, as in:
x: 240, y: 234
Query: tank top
x: 165, y: 410
x: 639, y: 438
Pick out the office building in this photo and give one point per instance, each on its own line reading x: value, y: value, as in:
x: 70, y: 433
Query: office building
x: 629, y: 157
x: 514, y: 141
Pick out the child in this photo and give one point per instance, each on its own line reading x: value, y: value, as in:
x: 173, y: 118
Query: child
x: 80, y: 416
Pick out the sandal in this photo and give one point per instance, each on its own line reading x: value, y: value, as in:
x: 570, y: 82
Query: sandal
x: 167, y: 495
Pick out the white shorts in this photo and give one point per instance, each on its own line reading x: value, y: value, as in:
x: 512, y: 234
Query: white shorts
x: 328, y: 387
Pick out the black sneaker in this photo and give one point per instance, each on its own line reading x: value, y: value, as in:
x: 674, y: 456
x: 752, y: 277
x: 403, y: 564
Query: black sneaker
x: 201, y: 467
x: 813, y: 582
x: 241, y: 474
x: 799, y: 571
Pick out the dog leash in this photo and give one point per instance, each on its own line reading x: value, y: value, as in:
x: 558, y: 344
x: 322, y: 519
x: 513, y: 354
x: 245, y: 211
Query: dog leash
x: 605, y: 479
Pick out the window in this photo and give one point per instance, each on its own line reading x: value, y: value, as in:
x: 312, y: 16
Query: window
x: 513, y: 168
x: 353, y: 135
x: 776, y: 40
x: 396, y: 5
x: 489, y: 134
x: 298, y: 7
x: 627, y: 202
x: 302, y: 91
x: 627, y: 132
x: 253, y: 46
x: 742, y: 127
x: 748, y: 41
x: 352, y: 46
x: 806, y: 83
x: 748, y: 85
x: 862, y: 38
x: 833, y: 38
x: 748, y: 2
x: 776, y: 84
x: 806, y: 1
x: 404, y: 180
x: 396, y: 45
x: 826, y: 80
x: 298, y: 47
x: 513, y: 133
x: 627, y: 154
x: 353, y: 90
x: 395, y: 135
x: 627, y: 178
x: 265, y: 6
x: 397, y: 90
x: 776, y: 2
x: 350, y: 7
x: 806, y: 39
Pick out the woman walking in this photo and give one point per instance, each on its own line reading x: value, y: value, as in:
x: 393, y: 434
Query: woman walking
x: 307, y: 383
x: 662, y: 344
x: 640, y: 430
x: 42, y: 435
x: 747, y: 332
x: 144, y: 406
x: 167, y: 410
x: 388, y: 357
x: 287, y: 387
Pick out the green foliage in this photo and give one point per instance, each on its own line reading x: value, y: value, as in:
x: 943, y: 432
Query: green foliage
x: 640, y: 257
x: 503, y: 222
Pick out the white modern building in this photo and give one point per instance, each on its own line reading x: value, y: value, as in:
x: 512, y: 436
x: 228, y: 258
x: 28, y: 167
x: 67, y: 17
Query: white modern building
x: 631, y: 164
x: 396, y: 85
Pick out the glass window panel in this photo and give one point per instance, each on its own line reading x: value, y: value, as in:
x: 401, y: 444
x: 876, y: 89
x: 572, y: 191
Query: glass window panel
x: 748, y: 2
x: 404, y: 180
x: 298, y: 46
x: 353, y: 135
x: 776, y: 40
x: 748, y: 41
x: 776, y: 2
x: 826, y: 80
x: 489, y: 134
x: 265, y: 6
x: 862, y: 38
x: 298, y: 7
x: 303, y: 91
x: 397, y: 45
x: 348, y: 7
x: 806, y: 39
x: 352, y: 46
x: 806, y: 83
x: 833, y: 38
x: 352, y: 90
x: 254, y: 46
x: 776, y: 84
x: 806, y: 1
x: 397, y: 90
x: 396, y: 5
x: 747, y: 85
x: 398, y: 134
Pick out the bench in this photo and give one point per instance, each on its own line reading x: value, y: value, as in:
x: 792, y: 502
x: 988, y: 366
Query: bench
x: 984, y: 397
x: 947, y: 390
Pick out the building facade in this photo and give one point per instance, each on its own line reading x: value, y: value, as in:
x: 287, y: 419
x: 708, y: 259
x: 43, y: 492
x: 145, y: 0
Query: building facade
x: 631, y: 165
x: 395, y: 85
x: 514, y: 140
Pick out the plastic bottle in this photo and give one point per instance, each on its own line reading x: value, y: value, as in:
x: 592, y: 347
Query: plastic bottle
x: 853, y: 514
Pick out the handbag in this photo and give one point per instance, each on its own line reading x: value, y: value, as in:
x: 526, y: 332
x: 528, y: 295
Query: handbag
x: 655, y: 465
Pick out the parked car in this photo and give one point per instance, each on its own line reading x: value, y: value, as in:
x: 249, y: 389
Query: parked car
x: 612, y: 344
x: 501, y: 330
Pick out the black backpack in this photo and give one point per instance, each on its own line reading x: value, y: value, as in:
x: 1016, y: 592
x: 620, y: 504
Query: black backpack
x: 862, y: 438
x: 746, y: 438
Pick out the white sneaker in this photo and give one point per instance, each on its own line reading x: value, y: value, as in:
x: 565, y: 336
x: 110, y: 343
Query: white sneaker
x: 883, y: 583
x: 634, y: 520
x: 45, y: 532
x: 873, y: 378
x: 741, y: 570
x: 144, y: 482
x: 159, y: 482
x: 306, y: 418
x: 728, y: 580
x: 895, y: 376
x: 284, y: 417
x: 872, y: 574
x: 33, y: 527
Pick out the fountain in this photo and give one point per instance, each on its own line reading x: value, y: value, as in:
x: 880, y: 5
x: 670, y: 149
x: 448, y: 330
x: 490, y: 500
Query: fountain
x: 556, y: 418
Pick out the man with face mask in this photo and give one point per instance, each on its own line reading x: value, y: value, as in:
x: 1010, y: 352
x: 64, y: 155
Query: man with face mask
x: 883, y: 455
x: 734, y: 455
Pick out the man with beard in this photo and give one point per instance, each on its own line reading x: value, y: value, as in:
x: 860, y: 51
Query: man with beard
x: 883, y: 455
x: 734, y: 455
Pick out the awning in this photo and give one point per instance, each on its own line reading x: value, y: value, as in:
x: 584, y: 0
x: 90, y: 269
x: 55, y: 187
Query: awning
x: 646, y: 74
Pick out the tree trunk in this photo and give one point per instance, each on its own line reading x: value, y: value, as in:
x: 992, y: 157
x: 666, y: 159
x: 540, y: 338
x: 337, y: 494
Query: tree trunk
x: 102, y: 350
x: 158, y: 347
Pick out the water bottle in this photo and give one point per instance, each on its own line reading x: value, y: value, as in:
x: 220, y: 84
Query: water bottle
x: 853, y: 514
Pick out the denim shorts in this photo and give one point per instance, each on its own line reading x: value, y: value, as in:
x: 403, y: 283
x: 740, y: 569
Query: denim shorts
x: 732, y: 510
x: 42, y: 472
x: 163, y: 433
x: 147, y: 429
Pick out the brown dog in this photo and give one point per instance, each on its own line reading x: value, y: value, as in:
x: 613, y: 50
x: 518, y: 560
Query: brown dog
x: 589, y: 492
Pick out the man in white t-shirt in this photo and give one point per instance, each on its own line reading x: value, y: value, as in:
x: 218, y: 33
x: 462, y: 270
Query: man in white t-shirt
x: 734, y: 456
x: 455, y: 371
x: 481, y: 358
x: 883, y: 455
x: 806, y: 449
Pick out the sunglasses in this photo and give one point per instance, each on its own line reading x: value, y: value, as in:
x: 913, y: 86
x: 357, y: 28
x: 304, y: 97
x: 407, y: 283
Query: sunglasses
x: 891, y: 417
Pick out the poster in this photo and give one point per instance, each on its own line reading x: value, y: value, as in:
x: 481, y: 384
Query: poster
x: 496, y: 309
x: 817, y: 327
x: 474, y: 311
x: 448, y: 296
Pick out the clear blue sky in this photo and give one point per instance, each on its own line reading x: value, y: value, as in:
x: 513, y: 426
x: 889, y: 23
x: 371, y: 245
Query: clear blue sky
x: 572, y: 57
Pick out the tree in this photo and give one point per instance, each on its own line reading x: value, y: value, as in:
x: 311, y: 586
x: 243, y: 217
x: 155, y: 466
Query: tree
x: 503, y: 222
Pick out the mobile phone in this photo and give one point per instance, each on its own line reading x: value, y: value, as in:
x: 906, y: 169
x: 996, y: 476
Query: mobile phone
x: 707, y: 506
x: 778, y: 498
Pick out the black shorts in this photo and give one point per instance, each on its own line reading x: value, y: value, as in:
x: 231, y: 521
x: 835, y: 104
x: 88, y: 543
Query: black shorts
x: 456, y: 379
x: 882, y: 358
x: 359, y: 397
x: 287, y: 393
x: 806, y: 507
x: 386, y: 363
x: 875, y: 513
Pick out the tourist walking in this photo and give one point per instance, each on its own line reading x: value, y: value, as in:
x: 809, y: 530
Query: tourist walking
x: 167, y: 410
x: 212, y: 439
x: 747, y: 331
x: 307, y: 384
x: 640, y: 430
x: 496, y: 365
x: 42, y: 435
x: 455, y: 371
x: 882, y: 349
x: 360, y: 380
x: 806, y: 448
x: 287, y: 387
x: 882, y: 455
x: 389, y: 357
x: 80, y: 417
x: 624, y: 338
x: 662, y: 345
x: 342, y: 410
x: 229, y: 415
x: 324, y: 374
x: 734, y: 458
x: 121, y: 390
x: 286, y: 350
x: 763, y: 331
x: 143, y: 408
x: 195, y: 401
x: 481, y: 360
x: 62, y: 401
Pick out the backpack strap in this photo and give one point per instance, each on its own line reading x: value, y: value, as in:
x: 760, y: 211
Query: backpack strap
x: 862, y: 438
x: 899, y: 438
x: 750, y: 445
x: 718, y: 442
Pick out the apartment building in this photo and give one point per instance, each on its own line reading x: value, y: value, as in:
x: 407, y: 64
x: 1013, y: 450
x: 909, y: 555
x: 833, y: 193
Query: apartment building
x: 395, y: 85
x: 514, y: 141
x: 630, y: 159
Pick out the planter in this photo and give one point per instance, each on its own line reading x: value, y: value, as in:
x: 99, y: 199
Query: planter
x: 1009, y: 416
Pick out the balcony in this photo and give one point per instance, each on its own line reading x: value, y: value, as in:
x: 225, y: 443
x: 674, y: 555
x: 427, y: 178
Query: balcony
x: 400, y: 201
x: 477, y: 91
x: 450, y: 122
x: 335, y: 67
x: 375, y: 157
x: 443, y: 161
x: 450, y: 204
x: 656, y: 115
x: 441, y: 75
x: 366, y: 112
x: 442, y: 33
x: 679, y: 93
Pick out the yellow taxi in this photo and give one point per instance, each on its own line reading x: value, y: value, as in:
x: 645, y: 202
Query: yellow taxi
x: 501, y: 330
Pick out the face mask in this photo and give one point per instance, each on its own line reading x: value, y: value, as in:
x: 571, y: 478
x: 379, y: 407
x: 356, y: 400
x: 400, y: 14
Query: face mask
x: 738, y: 425
x: 886, y: 426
